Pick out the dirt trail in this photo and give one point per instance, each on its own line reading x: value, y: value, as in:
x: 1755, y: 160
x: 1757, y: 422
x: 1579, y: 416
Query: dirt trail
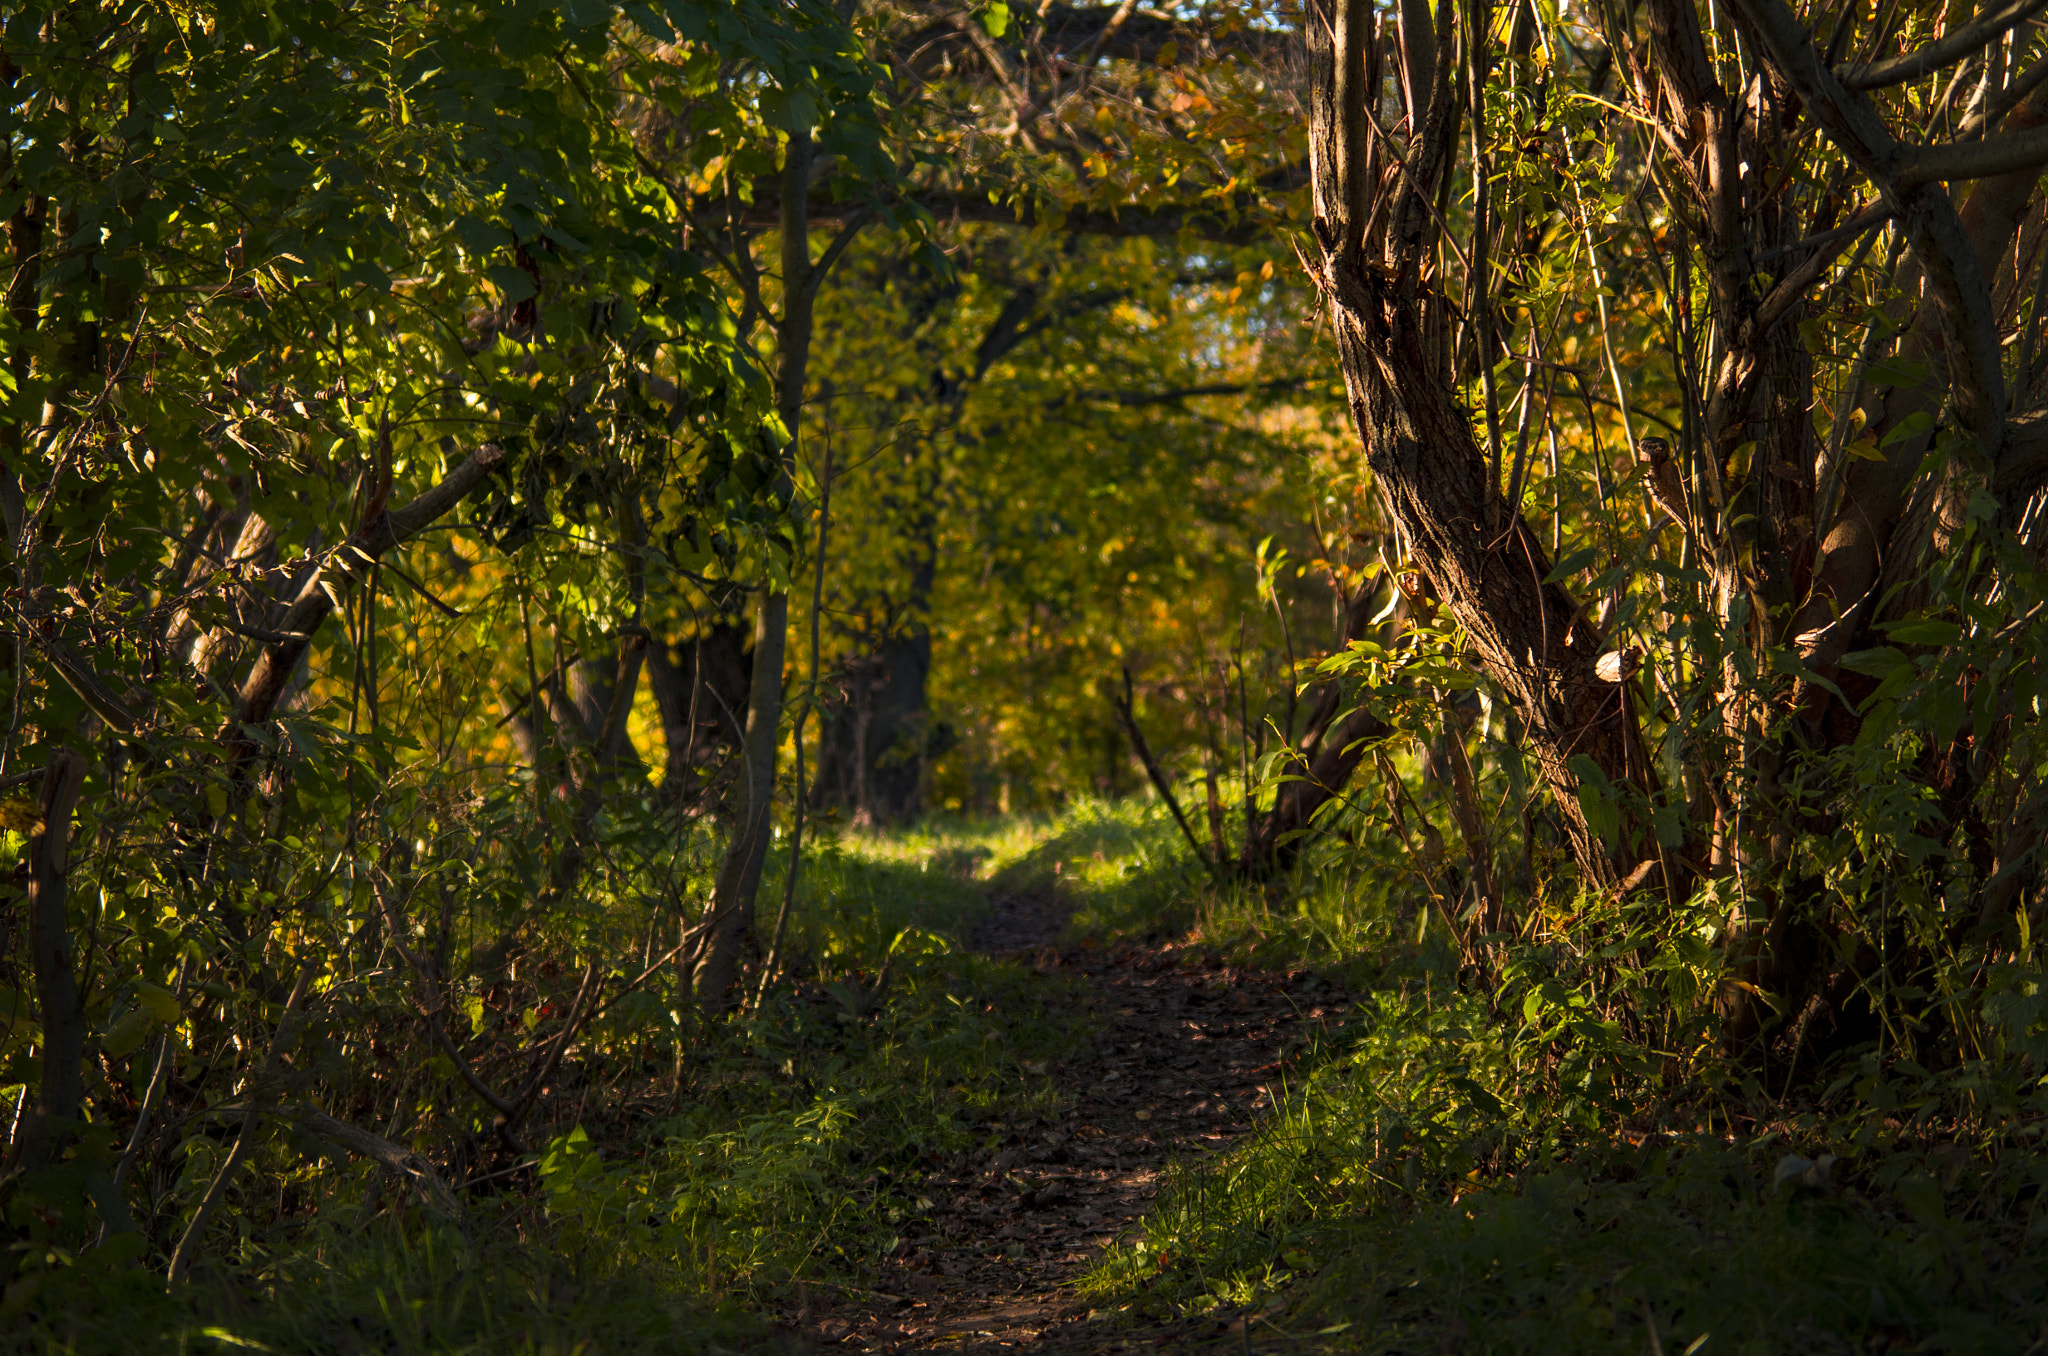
x: 1184, y: 1061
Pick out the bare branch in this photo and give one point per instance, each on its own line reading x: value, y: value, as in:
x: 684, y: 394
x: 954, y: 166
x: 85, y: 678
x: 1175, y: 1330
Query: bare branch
x: 79, y: 676
x: 838, y: 246
x: 318, y: 595
x: 396, y: 1157
x: 1126, y: 713
x: 1960, y: 160
x: 1140, y: 399
x: 1935, y: 55
x: 1231, y: 219
x: 1794, y: 284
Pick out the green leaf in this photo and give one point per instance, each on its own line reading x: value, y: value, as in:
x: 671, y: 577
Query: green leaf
x: 1596, y: 799
x: 1921, y: 1195
x: 160, y: 1003
x: 121, y: 1038
x: 996, y: 19
x: 1924, y: 631
x: 515, y: 283
x: 1571, y: 565
x: 1879, y: 663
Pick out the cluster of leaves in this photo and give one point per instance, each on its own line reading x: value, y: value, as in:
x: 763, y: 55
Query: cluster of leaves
x: 289, y: 284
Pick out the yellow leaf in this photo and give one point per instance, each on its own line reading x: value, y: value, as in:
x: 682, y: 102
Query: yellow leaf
x: 20, y: 813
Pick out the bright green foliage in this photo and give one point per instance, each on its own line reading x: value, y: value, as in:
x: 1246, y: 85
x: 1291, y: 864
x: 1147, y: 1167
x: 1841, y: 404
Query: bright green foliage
x: 278, y: 272
x: 1056, y: 459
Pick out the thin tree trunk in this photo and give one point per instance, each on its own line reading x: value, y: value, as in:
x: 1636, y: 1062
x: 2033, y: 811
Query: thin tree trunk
x: 796, y: 833
x: 60, y: 1090
x: 739, y: 875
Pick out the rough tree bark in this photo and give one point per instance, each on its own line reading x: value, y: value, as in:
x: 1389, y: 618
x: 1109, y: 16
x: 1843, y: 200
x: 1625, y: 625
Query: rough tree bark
x: 1821, y: 588
x: 1380, y: 238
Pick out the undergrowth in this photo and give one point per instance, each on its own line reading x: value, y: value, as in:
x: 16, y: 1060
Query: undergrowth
x: 691, y: 1194
x: 1462, y: 1166
x: 1499, y: 1167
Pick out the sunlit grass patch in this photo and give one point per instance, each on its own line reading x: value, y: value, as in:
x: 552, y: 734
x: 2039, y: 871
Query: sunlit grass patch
x: 1125, y: 871
x: 854, y: 903
x: 798, y: 1140
x: 1120, y: 864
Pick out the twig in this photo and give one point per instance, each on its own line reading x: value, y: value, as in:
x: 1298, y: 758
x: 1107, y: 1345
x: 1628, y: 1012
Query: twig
x: 159, y: 1080
x: 429, y: 1001
x: 195, y: 1232
x: 577, y: 1016
x: 1125, y: 712
x: 796, y: 836
x: 396, y: 1157
x: 527, y: 1166
x: 659, y: 961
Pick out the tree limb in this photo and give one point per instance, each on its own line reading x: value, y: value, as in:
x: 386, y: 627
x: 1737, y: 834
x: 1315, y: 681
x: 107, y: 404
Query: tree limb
x: 399, y: 1159
x: 1140, y: 399
x: 1932, y: 57
x: 1229, y: 220
x: 318, y: 596
x: 1961, y: 160
x: 1794, y: 284
x: 1952, y: 268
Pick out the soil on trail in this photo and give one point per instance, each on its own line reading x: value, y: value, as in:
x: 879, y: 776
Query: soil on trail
x: 1185, y: 1058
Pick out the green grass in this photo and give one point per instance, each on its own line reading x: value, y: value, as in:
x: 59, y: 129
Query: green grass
x: 1447, y: 1176
x: 1357, y: 1249
x: 1444, y: 1175
x: 787, y: 1146
x: 396, y: 1286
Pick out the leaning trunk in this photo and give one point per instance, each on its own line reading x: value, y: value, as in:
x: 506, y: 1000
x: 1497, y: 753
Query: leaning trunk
x: 1380, y: 274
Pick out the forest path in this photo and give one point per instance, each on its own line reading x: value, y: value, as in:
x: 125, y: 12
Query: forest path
x: 1184, y: 1059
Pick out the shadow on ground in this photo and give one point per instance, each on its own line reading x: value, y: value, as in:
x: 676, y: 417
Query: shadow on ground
x: 1184, y: 1060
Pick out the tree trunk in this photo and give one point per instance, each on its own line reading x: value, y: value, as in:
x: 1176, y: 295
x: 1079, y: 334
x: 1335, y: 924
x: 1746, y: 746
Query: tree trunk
x: 878, y: 736
x: 60, y: 1090
x: 731, y: 911
x: 739, y: 873
x: 701, y: 688
x: 1781, y: 583
x: 1377, y: 270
